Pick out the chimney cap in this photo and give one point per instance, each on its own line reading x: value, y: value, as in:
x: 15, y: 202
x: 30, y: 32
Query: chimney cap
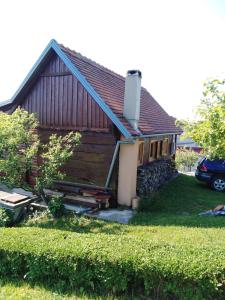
x: 134, y: 72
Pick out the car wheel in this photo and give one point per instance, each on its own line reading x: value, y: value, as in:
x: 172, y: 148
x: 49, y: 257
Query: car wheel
x: 218, y: 184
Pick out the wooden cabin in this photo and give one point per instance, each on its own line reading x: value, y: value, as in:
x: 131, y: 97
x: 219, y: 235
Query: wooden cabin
x: 123, y: 128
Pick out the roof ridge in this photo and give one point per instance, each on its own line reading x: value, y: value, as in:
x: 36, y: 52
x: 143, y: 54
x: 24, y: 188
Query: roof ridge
x: 92, y: 62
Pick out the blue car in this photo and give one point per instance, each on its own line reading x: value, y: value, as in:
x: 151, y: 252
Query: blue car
x: 212, y: 172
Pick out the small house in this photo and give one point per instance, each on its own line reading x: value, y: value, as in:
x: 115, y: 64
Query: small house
x: 128, y: 140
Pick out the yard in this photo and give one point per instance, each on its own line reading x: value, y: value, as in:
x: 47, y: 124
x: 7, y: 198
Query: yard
x: 167, y: 251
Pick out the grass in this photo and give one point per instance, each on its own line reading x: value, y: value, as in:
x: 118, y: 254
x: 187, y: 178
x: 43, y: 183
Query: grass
x: 23, y: 291
x: 169, y: 218
x: 177, y: 204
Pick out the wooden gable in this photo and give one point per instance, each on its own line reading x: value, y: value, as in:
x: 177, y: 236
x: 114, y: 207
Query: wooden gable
x: 60, y: 101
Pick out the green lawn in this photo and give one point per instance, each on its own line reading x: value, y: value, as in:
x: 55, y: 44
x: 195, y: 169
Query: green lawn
x: 23, y: 291
x: 180, y: 250
x: 177, y: 204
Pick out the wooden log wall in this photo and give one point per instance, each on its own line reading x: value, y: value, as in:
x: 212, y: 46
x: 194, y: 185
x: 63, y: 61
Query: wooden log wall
x: 91, y: 160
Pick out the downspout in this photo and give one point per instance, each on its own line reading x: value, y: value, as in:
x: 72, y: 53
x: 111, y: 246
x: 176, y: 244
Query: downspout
x: 128, y: 142
x: 114, y: 160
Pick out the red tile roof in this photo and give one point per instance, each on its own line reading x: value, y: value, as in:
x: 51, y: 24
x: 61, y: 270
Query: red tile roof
x: 110, y: 87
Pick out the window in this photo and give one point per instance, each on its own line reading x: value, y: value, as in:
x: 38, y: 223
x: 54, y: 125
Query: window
x: 141, y: 154
x: 160, y: 143
x: 153, y: 150
x: 165, y: 147
x: 158, y: 149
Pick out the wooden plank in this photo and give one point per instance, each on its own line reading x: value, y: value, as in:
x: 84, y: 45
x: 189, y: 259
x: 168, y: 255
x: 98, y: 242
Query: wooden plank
x: 81, y: 202
x: 89, y: 100
x: 53, y: 100
x: 45, y: 104
x: 53, y: 63
x: 14, y: 198
x: 64, y: 184
x: 54, y: 74
x: 65, y: 101
x: 57, y: 64
x: 97, y: 116
x: 101, y: 118
x: 75, y: 103
x: 98, y: 138
x: 35, y: 94
x: 4, y: 194
x: 41, y: 102
x: 88, y: 157
x: 87, y: 137
x: 69, y: 100
x: 56, y: 122
x: 93, y: 105
x: 38, y: 98
x: 88, y: 199
x: 61, y: 98
x: 80, y: 104
x: 89, y: 148
x: 84, y: 119
x: 49, y: 100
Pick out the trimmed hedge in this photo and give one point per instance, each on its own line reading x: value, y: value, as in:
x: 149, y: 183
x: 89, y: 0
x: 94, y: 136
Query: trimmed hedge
x: 113, y: 263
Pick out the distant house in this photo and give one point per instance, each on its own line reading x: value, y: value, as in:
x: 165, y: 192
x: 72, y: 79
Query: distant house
x: 128, y: 140
x: 189, y: 144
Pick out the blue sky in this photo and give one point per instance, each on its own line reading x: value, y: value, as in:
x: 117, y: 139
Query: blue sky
x: 177, y: 44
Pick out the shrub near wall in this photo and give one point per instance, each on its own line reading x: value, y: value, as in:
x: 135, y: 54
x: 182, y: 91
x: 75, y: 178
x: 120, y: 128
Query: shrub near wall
x: 115, y: 263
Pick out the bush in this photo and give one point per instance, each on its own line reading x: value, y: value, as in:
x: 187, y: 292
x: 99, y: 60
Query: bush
x: 6, y: 217
x: 113, y: 263
x: 186, y: 158
x: 55, y: 206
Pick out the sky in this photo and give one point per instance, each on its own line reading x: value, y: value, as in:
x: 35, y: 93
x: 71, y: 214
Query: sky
x: 177, y: 44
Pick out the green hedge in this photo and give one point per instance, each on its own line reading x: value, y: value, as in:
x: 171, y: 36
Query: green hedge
x: 113, y: 263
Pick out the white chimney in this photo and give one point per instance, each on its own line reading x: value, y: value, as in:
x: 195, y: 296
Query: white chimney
x: 132, y: 97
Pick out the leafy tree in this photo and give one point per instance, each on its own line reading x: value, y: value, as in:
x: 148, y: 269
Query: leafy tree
x: 20, y: 143
x: 186, y: 158
x: 53, y: 156
x: 209, y: 128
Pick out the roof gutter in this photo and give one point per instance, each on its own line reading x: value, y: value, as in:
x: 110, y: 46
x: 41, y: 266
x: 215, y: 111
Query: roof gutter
x: 154, y: 134
x: 130, y: 141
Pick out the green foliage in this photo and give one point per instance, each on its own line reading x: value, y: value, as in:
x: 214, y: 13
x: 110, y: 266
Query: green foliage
x: 209, y: 129
x: 54, y: 155
x: 185, y: 159
x: 6, y: 217
x: 56, y: 206
x: 18, y: 145
x: 158, y: 264
x: 168, y: 253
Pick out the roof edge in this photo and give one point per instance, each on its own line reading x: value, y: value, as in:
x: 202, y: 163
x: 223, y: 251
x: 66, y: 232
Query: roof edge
x: 158, y: 134
x: 90, y: 90
x: 30, y: 73
x: 53, y: 45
